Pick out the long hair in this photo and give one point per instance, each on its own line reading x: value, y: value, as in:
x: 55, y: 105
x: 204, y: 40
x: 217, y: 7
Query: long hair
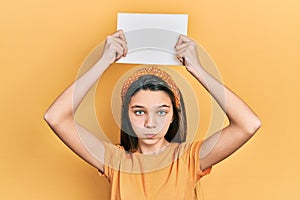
x: 177, y: 129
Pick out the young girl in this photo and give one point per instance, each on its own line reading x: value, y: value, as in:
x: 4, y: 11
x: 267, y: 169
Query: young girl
x: 154, y: 160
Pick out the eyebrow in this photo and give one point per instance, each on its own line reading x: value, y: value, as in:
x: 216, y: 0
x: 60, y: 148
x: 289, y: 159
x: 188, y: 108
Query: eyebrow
x: 139, y: 106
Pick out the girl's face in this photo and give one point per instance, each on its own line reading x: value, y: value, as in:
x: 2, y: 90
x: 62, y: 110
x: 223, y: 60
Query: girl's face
x: 150, y: 114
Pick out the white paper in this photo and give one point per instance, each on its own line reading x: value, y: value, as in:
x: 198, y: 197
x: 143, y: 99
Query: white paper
x: 151, y: 37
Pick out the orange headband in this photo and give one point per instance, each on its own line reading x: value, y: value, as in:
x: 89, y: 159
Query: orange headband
x: 152, y: 70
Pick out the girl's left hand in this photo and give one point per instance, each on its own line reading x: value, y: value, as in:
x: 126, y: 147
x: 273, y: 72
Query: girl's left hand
x: 187, y: 53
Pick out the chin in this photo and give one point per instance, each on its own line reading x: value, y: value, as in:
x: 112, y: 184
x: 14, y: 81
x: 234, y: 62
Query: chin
x: 150, y: 141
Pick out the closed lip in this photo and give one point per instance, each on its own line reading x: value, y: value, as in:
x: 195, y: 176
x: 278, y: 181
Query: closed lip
x: 150, y: 135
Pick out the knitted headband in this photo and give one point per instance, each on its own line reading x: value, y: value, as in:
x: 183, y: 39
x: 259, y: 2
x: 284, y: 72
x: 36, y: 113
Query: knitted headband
x: 152, y: 70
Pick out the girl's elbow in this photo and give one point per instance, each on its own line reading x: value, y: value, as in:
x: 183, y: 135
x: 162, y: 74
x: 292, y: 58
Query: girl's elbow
x: 255, y: 125
x: 52, y: 118
x: 49, y: 118
x: 56, y: 119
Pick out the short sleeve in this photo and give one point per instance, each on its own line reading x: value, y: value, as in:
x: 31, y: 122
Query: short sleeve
x: 112, y: 153
x: 193, y: 161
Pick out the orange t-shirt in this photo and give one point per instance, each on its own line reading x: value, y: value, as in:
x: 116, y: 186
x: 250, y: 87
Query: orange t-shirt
x: 172, y: 174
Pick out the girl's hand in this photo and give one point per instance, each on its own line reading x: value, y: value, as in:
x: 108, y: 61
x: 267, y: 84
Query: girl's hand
x: 187, y: 53
x: 115, y: 47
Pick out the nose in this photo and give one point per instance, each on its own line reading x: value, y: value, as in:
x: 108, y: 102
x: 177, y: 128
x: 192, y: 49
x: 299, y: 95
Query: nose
x: 150, y: 122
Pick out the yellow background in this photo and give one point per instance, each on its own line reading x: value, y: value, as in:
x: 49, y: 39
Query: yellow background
x: 254, y: 43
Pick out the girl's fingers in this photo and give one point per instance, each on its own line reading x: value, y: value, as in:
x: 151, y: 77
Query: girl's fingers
x: 119, y: 52
x: 188, y: 48
x: 115, y: 47
x: 184, y: 47
x: 122, y: 43
x: 122, y: 35
x: 181, y: 46
x: 181, y: 54
x: 119, y: 43
x: 118, y: 34
x: 187, y: 54
x: 182, y: 39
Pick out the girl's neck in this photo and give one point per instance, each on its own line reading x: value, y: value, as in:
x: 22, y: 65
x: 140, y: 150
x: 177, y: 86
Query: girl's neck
x: 153, y: 149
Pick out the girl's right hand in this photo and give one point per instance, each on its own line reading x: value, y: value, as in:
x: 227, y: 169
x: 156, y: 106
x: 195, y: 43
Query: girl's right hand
x: 115, y: 47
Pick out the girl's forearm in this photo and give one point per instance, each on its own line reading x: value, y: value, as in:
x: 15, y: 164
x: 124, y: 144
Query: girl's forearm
x: 81, y: 87
x: 67, y: 103
x: 237, y: 111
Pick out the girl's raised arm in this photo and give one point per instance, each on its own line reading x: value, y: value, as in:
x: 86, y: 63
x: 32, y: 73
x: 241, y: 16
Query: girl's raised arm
x: 60, y: 115
x: 243, y: 122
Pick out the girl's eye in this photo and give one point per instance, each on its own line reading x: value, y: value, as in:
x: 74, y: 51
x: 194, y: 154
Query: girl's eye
x: 162, y: 112
x: 139, y: 112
